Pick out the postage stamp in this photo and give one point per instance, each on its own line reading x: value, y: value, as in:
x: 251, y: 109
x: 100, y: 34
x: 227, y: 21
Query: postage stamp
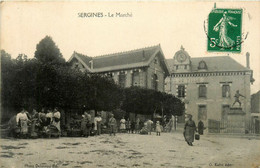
x: 224, y: 30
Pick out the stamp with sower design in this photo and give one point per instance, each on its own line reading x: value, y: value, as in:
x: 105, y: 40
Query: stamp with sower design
x: 224, y: 30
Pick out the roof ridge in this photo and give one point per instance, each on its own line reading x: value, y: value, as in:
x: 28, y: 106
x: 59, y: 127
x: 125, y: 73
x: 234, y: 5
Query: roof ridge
x: 82, y: 54
x: 124, y: 52
x: 210, y: 57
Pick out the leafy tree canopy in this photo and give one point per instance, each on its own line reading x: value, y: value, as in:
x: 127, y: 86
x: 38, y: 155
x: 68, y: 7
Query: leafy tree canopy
x: 48, y: 52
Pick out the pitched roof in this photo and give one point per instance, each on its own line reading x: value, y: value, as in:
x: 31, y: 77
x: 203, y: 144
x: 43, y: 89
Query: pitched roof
x: 122, y: 60
x: 214, y: 64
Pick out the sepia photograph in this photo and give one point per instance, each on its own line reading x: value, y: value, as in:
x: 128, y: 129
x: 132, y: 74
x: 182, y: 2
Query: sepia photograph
x: 130, y: 84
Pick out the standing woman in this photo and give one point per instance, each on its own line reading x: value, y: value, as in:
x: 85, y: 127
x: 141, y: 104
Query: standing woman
x: 22, y: 121
x: 49, y: 117
x: 122, y: 125
x: 97, y: 124
x: 56, y: 119
x: 189, y: 130
x: 34, y: 120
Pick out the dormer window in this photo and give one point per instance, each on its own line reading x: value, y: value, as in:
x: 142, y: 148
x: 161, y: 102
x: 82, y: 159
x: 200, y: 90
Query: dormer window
x: 202, y: 65
x: 155, y: 61
x: 76, y: 65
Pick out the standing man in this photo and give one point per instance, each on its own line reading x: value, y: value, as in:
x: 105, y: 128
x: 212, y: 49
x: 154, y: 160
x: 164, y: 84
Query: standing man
x: 88, y: 123
x: 137, y: 127
x: 112, y: 125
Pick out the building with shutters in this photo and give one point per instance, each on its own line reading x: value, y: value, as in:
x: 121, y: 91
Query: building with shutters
x: 207, y: 85
x: 144, y: 67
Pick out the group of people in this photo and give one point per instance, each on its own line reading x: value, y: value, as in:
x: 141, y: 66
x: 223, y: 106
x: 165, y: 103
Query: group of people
x: 45, y: 122
x: 87, y: 127
x: 139, y: 127
x: 130, y: 126
x: 49, y: 121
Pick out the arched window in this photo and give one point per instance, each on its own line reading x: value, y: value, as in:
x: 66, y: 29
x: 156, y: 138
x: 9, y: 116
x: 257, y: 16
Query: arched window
x: 202, y: 65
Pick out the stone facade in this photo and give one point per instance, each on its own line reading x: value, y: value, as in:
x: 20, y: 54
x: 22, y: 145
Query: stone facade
x: 207, y: 85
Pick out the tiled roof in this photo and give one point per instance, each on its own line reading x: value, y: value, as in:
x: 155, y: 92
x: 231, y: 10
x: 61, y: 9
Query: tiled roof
x: 123, y: 60
x: 214, y: 64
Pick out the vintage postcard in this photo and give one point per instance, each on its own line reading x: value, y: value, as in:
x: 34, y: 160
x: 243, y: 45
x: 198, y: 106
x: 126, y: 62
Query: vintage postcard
x: 130, y: 84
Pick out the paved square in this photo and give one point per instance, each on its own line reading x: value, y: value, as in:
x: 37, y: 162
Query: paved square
x: 131, y: 150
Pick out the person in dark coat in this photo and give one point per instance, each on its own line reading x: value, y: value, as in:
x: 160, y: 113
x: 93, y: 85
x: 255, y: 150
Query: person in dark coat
x: 189, y: 130
x: 128, y: 125
x: 200, y: 127
x: 132, y: 127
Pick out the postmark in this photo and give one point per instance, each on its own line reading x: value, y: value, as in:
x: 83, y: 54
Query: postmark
x: 224, y: 30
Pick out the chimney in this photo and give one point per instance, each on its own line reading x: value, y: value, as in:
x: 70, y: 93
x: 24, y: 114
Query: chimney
x: 248, y: 60
x: 91, y: 64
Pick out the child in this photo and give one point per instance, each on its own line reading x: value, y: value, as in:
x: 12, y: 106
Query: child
x: 158, y: 128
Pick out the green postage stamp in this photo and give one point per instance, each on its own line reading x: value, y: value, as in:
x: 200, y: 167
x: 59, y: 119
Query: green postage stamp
x: 224, y: 30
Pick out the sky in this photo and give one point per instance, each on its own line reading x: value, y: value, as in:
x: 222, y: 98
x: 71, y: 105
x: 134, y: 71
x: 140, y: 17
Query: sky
x: 170, y: 24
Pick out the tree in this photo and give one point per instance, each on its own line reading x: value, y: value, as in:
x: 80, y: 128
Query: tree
x: 47, y: 52
x: 150, y: 102
x: 7, y: 78
x: 102, y: 93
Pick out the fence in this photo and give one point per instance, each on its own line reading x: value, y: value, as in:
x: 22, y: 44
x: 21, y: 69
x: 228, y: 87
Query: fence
x: 215, y: 126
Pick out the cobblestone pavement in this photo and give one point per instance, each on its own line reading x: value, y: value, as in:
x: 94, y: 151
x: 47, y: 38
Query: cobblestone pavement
x: 131, y: 150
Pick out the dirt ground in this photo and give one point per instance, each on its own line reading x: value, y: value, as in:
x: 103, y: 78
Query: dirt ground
x: 131, y: 150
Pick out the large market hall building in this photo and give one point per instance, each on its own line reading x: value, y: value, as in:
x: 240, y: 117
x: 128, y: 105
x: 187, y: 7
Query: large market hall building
x: 207, y: 85
x: 144, y: 67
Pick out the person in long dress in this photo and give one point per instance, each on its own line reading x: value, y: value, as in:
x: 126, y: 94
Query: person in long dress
x: 122, y: 125
x: 222, y: 26
x: 144, y: 130
x: 97, y: 124
x: 201, y: 127
x: 189, y: 130
x: 49, y: 116
x: 22, y: 121
x: 89, y: 123
x: 83, y: 127
x: 34, y: 121
x: 149, y: 126
x: 56, y: 119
